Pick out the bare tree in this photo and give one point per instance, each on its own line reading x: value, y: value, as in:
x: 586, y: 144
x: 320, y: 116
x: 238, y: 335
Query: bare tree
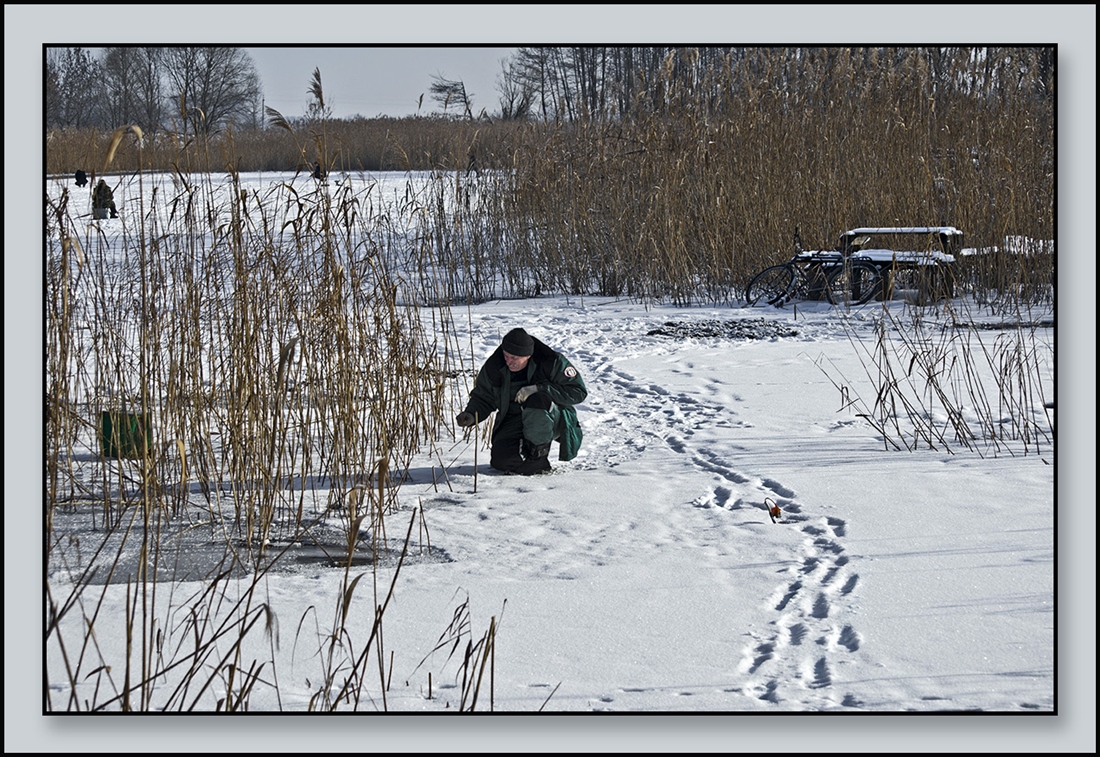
x: 516, y: 97
x: 52, y: 85
x: 590, y: 82
x: 536, y: 72
x: 451, y: 93
x: 213, y: 86
x: 148, y: 81
x: 590, y: 73
x: 119, y: 66
x: 73, y: 88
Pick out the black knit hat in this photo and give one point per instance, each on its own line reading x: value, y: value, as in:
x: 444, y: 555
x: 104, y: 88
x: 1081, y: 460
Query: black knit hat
x: 519, y: 343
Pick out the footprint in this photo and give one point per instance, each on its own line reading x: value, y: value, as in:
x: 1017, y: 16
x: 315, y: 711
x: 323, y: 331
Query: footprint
x: 792, y: 590
x: 828, y: 545
x: 764, y: 652
x: 850, y: 584
x: 717, y: 497
x: 849, y: 639
x: 840, y: 528
x: 797, y: 633
x: 821, y: 675
x: 710, y: 461
x: 778, y: 488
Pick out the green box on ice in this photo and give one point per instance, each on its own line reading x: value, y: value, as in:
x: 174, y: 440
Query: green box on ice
x: 125, y: 435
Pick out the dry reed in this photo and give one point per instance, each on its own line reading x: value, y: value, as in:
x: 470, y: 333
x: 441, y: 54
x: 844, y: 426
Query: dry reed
x: 286, y: 377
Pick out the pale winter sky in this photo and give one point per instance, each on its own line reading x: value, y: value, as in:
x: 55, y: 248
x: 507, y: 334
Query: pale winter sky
x: 377, y: 80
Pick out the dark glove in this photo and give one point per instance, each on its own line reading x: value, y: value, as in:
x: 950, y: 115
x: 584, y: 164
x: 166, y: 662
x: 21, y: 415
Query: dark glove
x: 465, y: 419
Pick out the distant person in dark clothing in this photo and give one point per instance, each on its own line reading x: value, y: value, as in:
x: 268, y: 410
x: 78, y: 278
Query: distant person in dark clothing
x: 104, y: 199
x: 318, y: 172
x: 81, y: 179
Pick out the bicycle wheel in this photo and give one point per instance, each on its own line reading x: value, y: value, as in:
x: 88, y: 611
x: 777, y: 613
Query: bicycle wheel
x: 813, y: 281
x: 854, y: 283
x: 770, y: 286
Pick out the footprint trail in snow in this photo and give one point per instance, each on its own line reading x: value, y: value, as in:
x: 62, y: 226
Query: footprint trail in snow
x: 812, y: 634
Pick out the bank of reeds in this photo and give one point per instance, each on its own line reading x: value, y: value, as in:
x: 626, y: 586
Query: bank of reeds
x: 361, y: 144
x: 686, y: 206
x: 267, y: 370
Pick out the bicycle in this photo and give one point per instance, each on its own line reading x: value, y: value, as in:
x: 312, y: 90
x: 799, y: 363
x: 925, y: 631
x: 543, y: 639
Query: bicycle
x: 815, y: 274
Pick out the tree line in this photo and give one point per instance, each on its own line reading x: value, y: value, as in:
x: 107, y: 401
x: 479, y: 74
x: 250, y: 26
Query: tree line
x: 187, y: 90
x: 585, y: 83
x: 202, y: 90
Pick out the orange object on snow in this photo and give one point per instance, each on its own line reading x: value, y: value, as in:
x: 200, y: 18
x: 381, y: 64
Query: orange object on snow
x: 774, y: 510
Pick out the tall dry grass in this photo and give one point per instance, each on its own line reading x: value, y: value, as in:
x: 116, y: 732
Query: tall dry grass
x: 288, y: 373
x: 360, y: 144
x: 954, y: 382
x: 686, y: 205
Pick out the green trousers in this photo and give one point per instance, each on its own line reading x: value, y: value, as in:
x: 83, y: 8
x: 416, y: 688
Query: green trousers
x: 521, y: 441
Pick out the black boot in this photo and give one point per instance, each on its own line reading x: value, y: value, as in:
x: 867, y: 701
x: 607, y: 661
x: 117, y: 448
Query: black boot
x: 533, y: 466
x: 536, y: 458
x: 534, y: 451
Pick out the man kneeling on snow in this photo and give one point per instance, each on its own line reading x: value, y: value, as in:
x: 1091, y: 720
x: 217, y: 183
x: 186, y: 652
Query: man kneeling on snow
x: 533, y: 390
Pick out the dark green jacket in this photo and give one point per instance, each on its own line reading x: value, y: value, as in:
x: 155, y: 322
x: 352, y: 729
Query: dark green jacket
x: 552, y: 373
x: 102, y: 196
